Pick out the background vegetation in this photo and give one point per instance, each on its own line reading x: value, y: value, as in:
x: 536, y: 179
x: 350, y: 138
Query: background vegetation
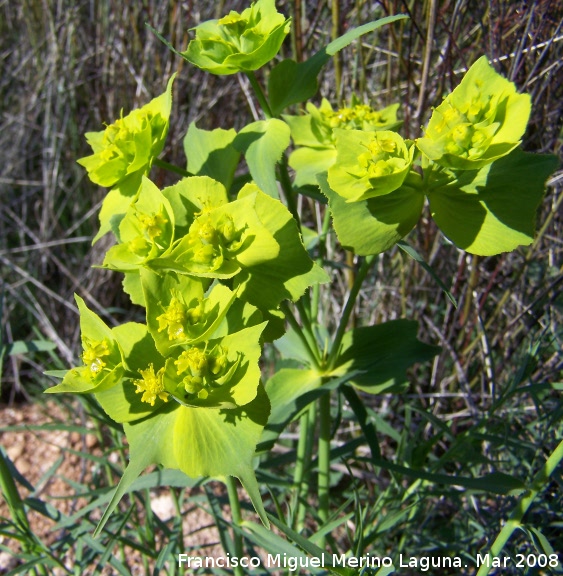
x: 490, y: 402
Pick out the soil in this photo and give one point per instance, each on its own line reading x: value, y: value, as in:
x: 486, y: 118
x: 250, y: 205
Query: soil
x: 35, y: 452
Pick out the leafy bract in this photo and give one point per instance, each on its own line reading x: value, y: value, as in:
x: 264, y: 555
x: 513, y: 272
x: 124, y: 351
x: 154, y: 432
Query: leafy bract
x: 292, y: 271
x: 493, y: 209
x: 374, y: 225
x: 211, y: 153
x: 131, y: 143
x: 239, y: 42
x: 313, y: 134
x: 381, y: 354
x: 103, y: 365
x: 263, y: 144
x: 369, y: 164
x: 145, y: 232
x: 482, y: 120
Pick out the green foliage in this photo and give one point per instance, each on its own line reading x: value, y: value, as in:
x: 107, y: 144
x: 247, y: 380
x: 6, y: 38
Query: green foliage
x: 218, y: 273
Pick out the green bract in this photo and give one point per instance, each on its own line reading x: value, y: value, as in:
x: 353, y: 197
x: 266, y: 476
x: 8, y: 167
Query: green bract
x: 369, y: 164
x: 130, y: 144
x: 483, y: 119
x: 239, y: 42
x: 313, y: 134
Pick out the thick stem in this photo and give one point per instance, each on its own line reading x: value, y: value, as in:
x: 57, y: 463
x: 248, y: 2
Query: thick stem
x: 515, y: 519
x: 348, y: 309
x: 237, y: 519
x: 259, y: 94
x: 324, y: 462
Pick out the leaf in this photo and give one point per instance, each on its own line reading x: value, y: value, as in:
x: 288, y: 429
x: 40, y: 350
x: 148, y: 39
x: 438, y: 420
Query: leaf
x: 263, y: 144
x: 381, y: 354
x: 308, y: 162
x: 373, y: 226
x: 493, y: 210
x: 291, y: 272
x: 26, y: 347
x: 291, y: 82
x: 211, y: 153
x: 408, y: 249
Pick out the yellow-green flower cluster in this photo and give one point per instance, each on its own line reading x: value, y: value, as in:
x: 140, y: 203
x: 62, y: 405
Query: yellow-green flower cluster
x: 239, y: 42
x: 482, y: 120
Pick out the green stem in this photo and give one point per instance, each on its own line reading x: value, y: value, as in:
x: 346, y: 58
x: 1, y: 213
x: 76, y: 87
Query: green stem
x: 348, y: 309
x: 324, y: 461
x: 310, y: 347
x: 171, y: 167
x: 287, y: 187
x: 237, y: 519
x: 259, y: 94
x: 301, y: 472
x: 515, y: 518
x: 322, y: 252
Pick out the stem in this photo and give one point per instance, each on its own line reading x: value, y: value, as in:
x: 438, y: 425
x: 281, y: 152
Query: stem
x: 287, y: 187
x: 237, y: 519
x: 348, y: 308
x: 310, y: 348
x: 322, y: 253
x: 171, y: 167
x: 324, y: 461
x: 515, y: 518
x: 260, y: 94
x: 301, y: 473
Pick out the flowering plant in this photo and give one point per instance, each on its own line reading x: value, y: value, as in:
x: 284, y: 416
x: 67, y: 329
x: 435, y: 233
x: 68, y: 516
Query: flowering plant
x: 219, y: 273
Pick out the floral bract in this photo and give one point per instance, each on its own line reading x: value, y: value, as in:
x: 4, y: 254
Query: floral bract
x: 313, y: 134
x: 482, y: 120
x: 239, y: 42
x: 130, y: 144
x: 369, y: 164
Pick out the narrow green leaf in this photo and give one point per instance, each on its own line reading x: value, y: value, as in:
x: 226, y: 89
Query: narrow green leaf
x: 291, y: 82
x: 408, y: 249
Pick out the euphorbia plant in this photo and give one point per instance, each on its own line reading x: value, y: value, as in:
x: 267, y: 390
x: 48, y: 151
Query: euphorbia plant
x: 220, y: 274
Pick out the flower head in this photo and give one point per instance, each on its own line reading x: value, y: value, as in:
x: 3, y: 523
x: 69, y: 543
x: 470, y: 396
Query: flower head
x: 482, y: 120
x: 369, y: 164
x: 130, y: 144
x: 239, y: 42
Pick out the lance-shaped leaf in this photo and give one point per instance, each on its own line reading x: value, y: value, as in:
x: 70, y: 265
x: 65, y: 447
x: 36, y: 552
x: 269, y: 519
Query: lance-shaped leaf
x: 103, y: 361
x: 145, y: 232
x: 373, y: 226
x: 211, y: 153
x: 291, y: 82
x: 239, y: 42
x: 493, y: 210
x: 287, y: 276
x: 263, y: 144
x: 483, y: 119
x: 381, y: 354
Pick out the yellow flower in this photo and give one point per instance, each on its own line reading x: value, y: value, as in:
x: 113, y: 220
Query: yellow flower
x: 151, y: 385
